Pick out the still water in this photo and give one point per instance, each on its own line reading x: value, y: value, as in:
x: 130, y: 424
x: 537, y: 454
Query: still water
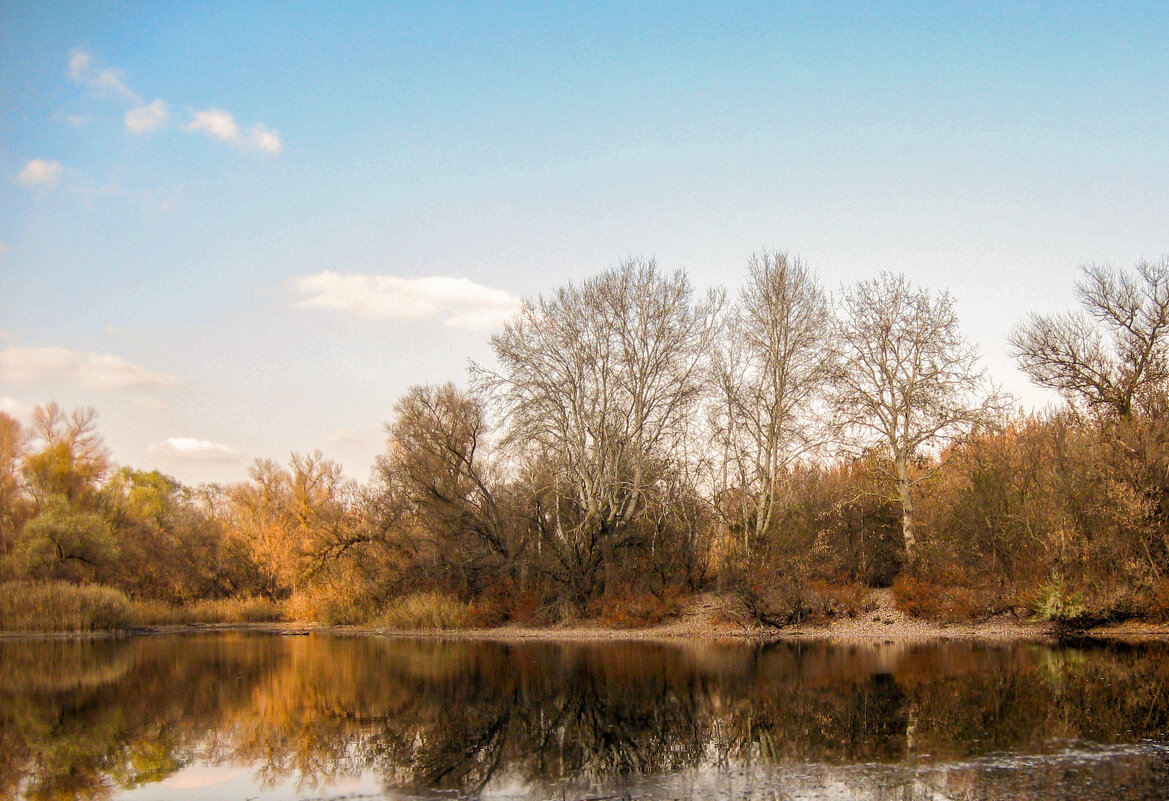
x: 253, y: 716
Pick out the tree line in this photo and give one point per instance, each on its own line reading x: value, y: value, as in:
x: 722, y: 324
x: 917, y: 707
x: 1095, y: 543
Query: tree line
x: 637, y: 442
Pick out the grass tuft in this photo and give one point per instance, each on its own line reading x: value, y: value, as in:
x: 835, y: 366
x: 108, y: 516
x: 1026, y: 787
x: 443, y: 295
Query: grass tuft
x: 426, y: 610
x: 61, y: 606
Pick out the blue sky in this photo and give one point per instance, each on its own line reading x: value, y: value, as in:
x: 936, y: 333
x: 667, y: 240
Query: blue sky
x: 243, y: 229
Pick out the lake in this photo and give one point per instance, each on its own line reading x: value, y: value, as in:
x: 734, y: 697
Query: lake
x: 263, y: 716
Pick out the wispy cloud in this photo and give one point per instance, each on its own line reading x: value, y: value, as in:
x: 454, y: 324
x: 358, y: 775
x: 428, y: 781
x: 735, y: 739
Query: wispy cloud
x: 90, y: 370
x: 147, y: 118
x: 195, y: 450
x: 221, y: 125
x: 458, y: 302
x: 85, y: 70
x: 40, y: 172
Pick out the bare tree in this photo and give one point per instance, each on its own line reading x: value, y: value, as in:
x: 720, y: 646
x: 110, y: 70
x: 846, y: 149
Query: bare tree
x: 907, y: 380
x: 438, y: 462
x: 1113, y: 355
x: 597, y: 382
x: 12, y: 438
x: 771, y: 370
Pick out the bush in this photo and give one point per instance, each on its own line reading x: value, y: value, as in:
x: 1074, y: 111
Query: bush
x: 632, y: 610
x: 778, y: 601
x: 330, y: 606
x: 60, y: 606
x: 426, y: 610
x: 949, y: 604
x: 843, y: 599
x: 1157, y: 609
x: 505, y: 602
x: 1055, y: 601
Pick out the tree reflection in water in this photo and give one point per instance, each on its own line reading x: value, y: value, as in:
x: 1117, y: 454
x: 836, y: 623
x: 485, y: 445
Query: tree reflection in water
x: 95, y: 719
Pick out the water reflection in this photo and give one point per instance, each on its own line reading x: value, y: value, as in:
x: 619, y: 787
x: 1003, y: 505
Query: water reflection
x: 233, y: 715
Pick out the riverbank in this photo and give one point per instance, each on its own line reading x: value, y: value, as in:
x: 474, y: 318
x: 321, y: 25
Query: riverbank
x: 700, y: 621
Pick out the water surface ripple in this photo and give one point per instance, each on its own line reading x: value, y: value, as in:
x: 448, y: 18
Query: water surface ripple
x: 235, y: 716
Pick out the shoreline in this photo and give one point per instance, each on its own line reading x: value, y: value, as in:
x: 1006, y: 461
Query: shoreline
x: 844, y: 631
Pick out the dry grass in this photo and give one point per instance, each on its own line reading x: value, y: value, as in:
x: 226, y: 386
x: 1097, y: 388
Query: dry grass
x: 222, y: 610
x: 60, y: 606
x: 426, y: 610
x: 330, y: 606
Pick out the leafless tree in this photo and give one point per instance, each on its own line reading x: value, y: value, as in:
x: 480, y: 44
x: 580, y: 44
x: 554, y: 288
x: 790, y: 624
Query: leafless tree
x: 907, y: 380
x: 596, y: 382
x: 438, y: 460
x: 1114, y: 354
x: 771, y: 369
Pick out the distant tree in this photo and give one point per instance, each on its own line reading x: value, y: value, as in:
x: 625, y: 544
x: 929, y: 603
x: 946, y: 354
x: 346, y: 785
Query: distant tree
x: 596, y: 383
x: 66, y: 535
x: 261, y: 516
x: 68, y: 458
x: 169, y: 546
x: 63, y: 541
x: 438, y: 463
x: 907, y: 380
x: 12, y: 502
x: 771, y: 369
x: 1114, y: 354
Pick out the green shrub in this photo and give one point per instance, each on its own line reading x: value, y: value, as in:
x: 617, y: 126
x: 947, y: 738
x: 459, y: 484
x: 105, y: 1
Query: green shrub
x: 426, y: 610
x: 1055, y: 601
x: 60, y: 606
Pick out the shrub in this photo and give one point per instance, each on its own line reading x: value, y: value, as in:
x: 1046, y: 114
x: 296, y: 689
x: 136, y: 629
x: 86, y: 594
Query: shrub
x: 631, y: 610
x: 1157, y: 609
x: 426, y: 610
x: 60, y: 606
x: 505, y: 602
x: 330, y: 606
x: 1055, y: 601
x: 843, y: 599
x: 949, y: 604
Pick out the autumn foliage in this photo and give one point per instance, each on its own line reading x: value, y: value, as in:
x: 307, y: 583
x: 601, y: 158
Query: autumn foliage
x: 638, y: 445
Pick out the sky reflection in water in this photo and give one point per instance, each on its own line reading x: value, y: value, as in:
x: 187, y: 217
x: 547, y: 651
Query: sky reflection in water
x: 237, y: 716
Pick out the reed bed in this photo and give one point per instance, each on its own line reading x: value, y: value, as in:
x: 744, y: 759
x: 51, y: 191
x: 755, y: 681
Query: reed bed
x: 61, y: 606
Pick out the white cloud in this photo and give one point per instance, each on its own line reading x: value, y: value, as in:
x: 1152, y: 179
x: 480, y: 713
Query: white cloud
x: 195, y: 450
x: 216, y: 123
x: 84, y: 70
x: 40, y: 172
x: 221, y: 125
x: 147, y: 118
x: 79, y: 63
x: 14, y: 408
x: 264, y: 138
x: 90, y: 370
x: 459, y: 302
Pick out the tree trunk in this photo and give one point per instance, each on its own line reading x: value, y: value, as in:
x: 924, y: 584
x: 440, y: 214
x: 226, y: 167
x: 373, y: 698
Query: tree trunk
x: 904, y: 492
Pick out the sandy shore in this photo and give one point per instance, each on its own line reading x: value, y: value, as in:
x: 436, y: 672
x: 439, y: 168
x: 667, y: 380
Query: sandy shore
x: 702, y: 621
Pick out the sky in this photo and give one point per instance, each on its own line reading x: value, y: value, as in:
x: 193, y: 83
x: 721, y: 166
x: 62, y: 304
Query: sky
x: 240, y: 230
